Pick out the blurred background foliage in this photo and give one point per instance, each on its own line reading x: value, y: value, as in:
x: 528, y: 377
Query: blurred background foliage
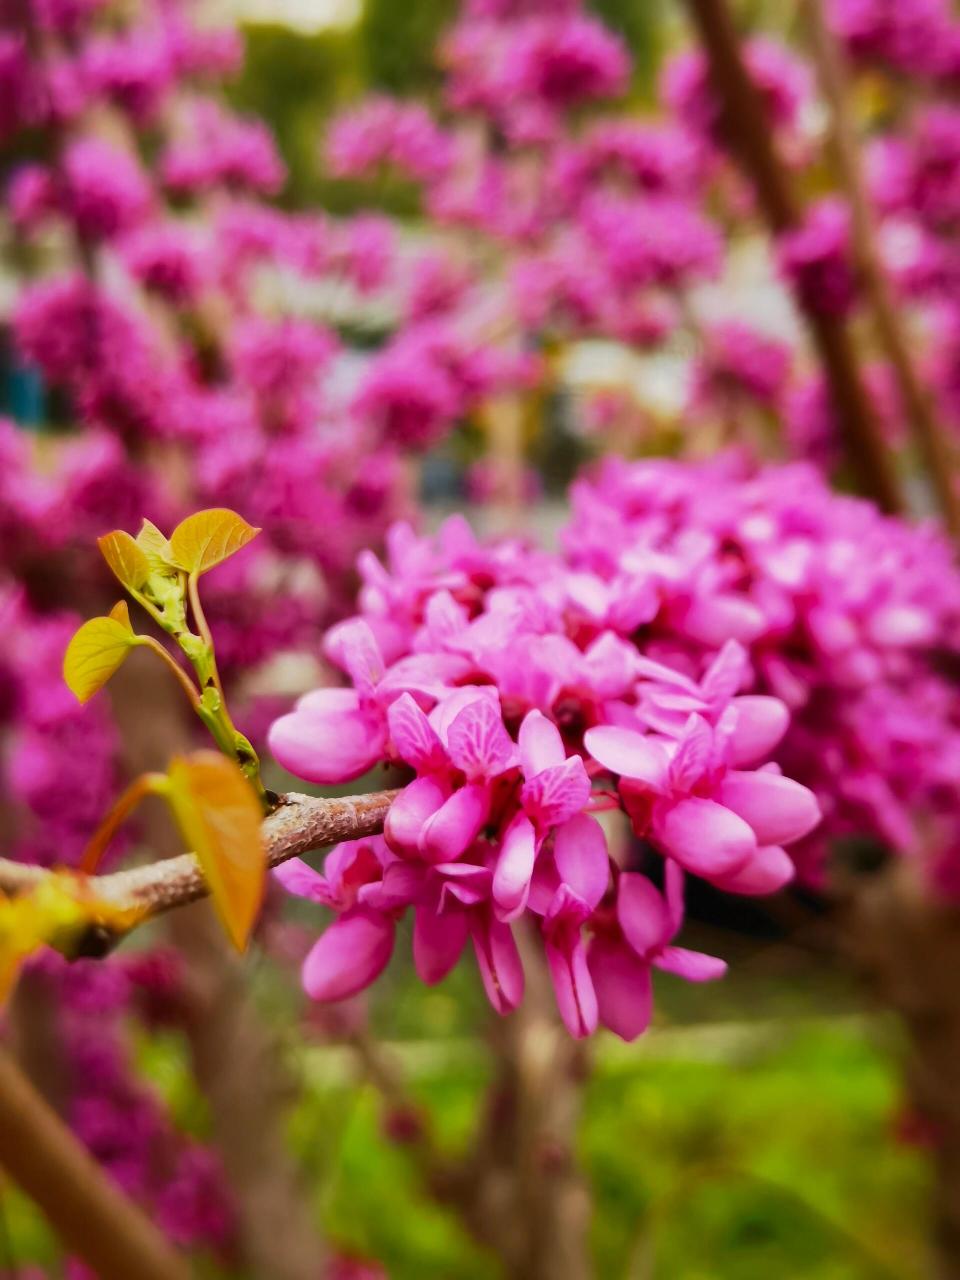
x: 296, y: 80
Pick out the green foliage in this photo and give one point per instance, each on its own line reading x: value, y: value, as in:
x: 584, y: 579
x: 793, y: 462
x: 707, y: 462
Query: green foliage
x: 398, y: 43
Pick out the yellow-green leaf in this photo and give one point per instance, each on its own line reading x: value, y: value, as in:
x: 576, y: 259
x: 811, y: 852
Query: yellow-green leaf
x: 120, y: 613
x: 219, y: 816
x: 94, y: 654
x: 127, y: 560
x: 208, y: 537
x: 155, y: 547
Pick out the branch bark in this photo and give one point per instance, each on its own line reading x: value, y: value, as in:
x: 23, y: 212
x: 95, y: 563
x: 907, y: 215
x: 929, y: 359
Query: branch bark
x: 299, y: 823
x: 83, y: 1206
x: 834, y: 78
x: 747, y: 134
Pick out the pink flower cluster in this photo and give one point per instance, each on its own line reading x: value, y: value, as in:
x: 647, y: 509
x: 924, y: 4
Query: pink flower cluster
x: 846, y: 615
x: 510, y: 684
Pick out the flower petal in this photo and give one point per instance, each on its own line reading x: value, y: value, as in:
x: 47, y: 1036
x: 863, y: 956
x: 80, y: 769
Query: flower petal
x: 556, y: 794
x: 438, y: 942
x: 695, y: 966
x: 642, y: 913
x: 410, y: 812
x: 328, y: 738
x: 478, y: 743
x: 303, y: 882
x: 703, y: 836
x: 761, y: 723
x: 414, y: 737
x: 628, y: 753
x: 621, y: 981
x: 456, y: 824
x: 499, y: 962
x: 573, y: 985
x: 349, y: 955
x: 580, y: 853
x: 511, y: 879
x: 768, y: 870
x: 541, y: 746
x: 778, y: 809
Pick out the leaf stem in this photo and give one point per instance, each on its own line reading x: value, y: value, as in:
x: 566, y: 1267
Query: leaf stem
x: 146, y: 784
x: 189, y: 688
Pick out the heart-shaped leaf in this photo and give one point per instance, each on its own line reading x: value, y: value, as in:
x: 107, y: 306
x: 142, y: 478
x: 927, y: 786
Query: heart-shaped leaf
x: 127, y: 560
x: 209, y: 537
x: 94, y: 654
x: 219, y: 816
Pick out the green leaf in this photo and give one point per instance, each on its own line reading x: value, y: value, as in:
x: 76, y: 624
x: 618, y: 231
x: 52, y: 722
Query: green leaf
x: 219, y: 816
x: 209, y: 537
x: 155, y: 547
x: 95, y: 653
x: 127, y: 560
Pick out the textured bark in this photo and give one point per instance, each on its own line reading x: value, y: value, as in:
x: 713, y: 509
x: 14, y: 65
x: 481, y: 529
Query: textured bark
x: 235, y: 1057
x: 84, y: 1207
x: 907, y: 945
x: 524, y: 1178
x: 892, y: 338
x: 747, y: 134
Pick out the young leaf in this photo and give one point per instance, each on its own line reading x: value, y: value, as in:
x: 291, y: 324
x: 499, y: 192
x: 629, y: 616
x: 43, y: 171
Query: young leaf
x: 127, y: 560
x: 219, y: 816
x: 155, y: 547
x: 120, y: 613
x: 94, y: 654
x: 208, y: 537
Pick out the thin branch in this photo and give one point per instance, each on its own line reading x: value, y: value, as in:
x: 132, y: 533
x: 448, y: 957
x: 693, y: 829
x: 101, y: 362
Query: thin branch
x: 298, y: 823
x: 834, y: 78
x: 87, y: 1210
x: 747, y: 134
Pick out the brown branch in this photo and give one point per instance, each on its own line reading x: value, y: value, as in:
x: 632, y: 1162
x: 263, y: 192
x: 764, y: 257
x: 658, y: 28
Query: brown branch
x: 746, y: 132
x: 299, y: 823
x: 83, y: 1206
x: 834, y: 77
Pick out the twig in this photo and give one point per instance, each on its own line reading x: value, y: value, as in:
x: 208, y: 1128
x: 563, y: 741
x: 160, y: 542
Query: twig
x: 83, y: 1206
x: 747, y: 133
x: 835, y: 85
x: 299, y: 823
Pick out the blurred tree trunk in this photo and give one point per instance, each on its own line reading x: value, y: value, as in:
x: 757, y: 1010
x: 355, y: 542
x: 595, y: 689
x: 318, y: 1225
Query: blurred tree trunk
x: 526, y: 1182
x: 236, y: 1059
x: 906, y: 942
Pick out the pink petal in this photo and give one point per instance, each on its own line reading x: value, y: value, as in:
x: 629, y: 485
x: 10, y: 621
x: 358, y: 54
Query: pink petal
x: 778, y: 809
x: 511, y: 880
x: 353, y: 647
x: 303, y: 882
x: 414, y: 737
x: 541, y: 746
x: 621, y: 982
x: 402, y: 883
x: 573, y: 985
x: 642, y: 913
x: 411, y: 811
x: 499, y: 962
x: 327, y: 738
x: 349, y: 955
x: 438, y: 942
x: 703, y: 836
x: 556, y: 794
x: 692, y: 965
x: 726, y: 674
x: 693, y: 754
x: 761, y: 723
x: 456, y: 824
x: 580, y: 854
x: 478, y: 743
x: 714, y: 619
x: 628, y: 753
x: 768, y: 870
